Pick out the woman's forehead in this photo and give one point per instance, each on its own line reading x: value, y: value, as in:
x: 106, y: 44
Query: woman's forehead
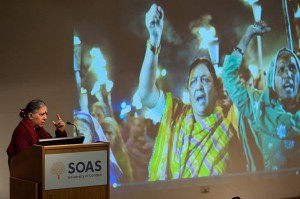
x: 285, y: 57
x: 284, y: 61
x: 42, y: 109
x: 200, y: 69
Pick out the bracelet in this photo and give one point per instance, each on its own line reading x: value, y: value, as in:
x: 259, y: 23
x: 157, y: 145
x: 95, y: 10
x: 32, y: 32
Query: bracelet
x: 155, y: 50
x: 239, y: 50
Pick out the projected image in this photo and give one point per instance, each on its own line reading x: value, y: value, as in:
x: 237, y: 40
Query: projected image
x: 189, y: 89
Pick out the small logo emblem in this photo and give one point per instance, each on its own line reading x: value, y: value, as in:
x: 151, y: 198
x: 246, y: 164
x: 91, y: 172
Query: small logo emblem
x: 58, y: 169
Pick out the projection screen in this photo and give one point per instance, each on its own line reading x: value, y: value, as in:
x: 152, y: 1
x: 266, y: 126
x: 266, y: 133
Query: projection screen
x: 250, y: 135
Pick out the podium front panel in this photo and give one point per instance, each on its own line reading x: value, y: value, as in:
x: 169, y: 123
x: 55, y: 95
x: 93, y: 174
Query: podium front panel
x: 77, y: 169
x: 72, y: 171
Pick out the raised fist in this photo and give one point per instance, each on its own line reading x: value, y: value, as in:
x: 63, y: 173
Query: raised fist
x: 154, y: 23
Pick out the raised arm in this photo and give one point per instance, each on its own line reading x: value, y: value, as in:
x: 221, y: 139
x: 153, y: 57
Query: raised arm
x: 258, y: 28
x: 242, y: 97
x: 149, y: 93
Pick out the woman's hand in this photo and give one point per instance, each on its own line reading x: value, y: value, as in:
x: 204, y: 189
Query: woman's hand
x: 154, y: 23
x: 60, y: 124
x: 258, y: 28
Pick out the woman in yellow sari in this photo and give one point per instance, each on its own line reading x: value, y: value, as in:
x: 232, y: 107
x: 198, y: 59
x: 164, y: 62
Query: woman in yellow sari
x: 194, y: 139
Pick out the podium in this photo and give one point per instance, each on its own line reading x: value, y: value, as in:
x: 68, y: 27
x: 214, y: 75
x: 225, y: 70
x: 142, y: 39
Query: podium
x: 72, y: 171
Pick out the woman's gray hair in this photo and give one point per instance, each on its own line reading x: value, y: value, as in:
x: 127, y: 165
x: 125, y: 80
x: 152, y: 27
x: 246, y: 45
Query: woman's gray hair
x: 32, y: 107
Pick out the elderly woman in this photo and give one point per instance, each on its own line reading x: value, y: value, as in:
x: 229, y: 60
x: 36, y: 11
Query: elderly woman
x: 113, y: 134
x: 273, y: 114
x: 90, y: 128
x: 193, y: 140
x: 31, y: 127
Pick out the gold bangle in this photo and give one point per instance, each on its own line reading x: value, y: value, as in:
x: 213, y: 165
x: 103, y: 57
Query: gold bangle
x: 155, y: 50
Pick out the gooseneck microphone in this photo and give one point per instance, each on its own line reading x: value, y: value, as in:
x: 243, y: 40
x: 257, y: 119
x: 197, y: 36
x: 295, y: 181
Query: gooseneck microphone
x: 69, y: 123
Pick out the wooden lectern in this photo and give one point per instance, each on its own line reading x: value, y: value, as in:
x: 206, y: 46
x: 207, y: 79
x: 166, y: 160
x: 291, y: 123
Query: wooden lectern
x: 73, y: 171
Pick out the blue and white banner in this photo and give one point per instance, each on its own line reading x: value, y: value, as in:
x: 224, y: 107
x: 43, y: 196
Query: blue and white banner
x: 67, y: 170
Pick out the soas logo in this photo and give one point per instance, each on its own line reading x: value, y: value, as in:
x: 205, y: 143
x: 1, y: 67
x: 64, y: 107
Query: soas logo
x: 57, y: 169
x: 84, y: 167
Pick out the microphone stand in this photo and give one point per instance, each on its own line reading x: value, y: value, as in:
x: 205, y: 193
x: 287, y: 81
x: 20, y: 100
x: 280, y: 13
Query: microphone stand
x: 76, y: 130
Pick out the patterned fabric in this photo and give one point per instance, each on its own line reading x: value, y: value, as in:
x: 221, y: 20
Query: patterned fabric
x: 276, y: 132
x: 185, y: 148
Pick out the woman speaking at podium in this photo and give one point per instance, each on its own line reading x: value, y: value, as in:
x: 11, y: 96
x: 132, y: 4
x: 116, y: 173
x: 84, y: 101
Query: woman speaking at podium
x: 30, y: 129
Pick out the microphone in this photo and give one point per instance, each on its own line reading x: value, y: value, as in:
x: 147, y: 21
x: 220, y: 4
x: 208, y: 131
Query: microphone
x: 69, y: 123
